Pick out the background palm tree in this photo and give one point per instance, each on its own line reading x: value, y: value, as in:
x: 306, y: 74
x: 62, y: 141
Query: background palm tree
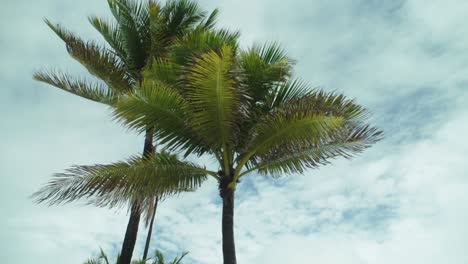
x: 142, y: 31
x: 102, y: 258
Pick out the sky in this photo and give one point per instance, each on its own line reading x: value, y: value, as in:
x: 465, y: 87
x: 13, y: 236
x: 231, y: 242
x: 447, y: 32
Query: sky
x: 402, y: 201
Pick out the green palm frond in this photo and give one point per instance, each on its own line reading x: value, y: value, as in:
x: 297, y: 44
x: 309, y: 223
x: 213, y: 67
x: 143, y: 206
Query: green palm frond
x: 101, y: 259
x: 310, y: 118
x: 159, y: 258
x: 196, y: 43
x: 129, y: 18
x: 296, y: 158
x: 83, y: 88
x: 181, y: 15
x: 132, y: 180
x: 178, y: 260
x: 280, y: 129
x: 97, y: 60
x: 111, y: 33
x: 210, y: 22
x: 165, y: 71
x: 163, y: 108
x: 285, y: 92
x: 213, y: 97
x: 264, y: 66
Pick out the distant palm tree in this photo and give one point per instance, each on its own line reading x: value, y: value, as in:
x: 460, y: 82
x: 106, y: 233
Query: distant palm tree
x: 158, y: 259
x: 244, y: 108
x: 143, y: 31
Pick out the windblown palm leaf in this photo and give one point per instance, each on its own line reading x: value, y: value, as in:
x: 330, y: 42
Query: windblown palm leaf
x: 83, y: 88
x: 118, y: 183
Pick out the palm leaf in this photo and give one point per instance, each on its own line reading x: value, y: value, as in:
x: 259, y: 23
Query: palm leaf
x: 80, y: 87
x: 163, y: 108
x: 97, y: 60
x: 198, y: 42
x: 128, y: 16
x: 213, y: 97
x: 264, y: 66
x: 133, y: 180
x: 181, y: 15
x: 210, y: 22
x: 111, y: 33
x: 296, y: 158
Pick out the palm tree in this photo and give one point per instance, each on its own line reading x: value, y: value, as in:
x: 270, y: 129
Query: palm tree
x: 143, y: 31
x: 245, y: 109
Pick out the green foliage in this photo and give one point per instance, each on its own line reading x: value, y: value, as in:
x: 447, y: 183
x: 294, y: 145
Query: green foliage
x: 246, y: 109
x: 83, y: 88
x: 140, y: 32
x: 136, y: 179
x: 158, y: 258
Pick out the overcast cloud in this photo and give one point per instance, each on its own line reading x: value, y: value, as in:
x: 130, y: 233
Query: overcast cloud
x: 403, y: 201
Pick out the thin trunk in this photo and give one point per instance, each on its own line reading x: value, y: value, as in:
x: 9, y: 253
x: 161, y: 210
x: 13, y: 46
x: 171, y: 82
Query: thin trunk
x: 150, y: 229
x: 130, y: 235
x: 133, y: 223
x: 229, y: 249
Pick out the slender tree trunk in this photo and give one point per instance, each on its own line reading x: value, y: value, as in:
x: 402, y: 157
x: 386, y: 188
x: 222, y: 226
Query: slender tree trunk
x: 150, y: 229
x: 130, y: 235
x: 229, y: 249
x: 135, y: 213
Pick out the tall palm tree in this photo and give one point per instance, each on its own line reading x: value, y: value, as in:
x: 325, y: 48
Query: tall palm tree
x: 244, y: 108
x: 142, y: 31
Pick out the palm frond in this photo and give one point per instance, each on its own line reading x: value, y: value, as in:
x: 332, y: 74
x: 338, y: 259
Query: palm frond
x: 97, y: 60
x: 312, y: 118
x: 163, y: 108
x: 213, y: 97
x: 280, y: 129
x: 128, y: 16
x: 164, y: 70
x: 296, y: 158
x: 210, y: 22
x: 181, y: 15
x: 178, y: 260
x: 122, y: 182
x: 111, y: 33
x: 196, y: 43
x: 264, y: 66
x: 288, y: 91
x: 83, y: 88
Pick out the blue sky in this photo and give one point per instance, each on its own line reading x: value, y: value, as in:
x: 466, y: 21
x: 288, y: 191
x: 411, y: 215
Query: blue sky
x: 403, y: 201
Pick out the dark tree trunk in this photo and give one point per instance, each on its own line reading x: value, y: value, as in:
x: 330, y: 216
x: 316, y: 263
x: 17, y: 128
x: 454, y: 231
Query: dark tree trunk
x: 130, y: 235
x: 150, y: 229
x: 229, y: 249
x: 135, y: 213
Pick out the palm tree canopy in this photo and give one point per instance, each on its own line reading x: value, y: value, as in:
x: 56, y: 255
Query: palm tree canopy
x: 143, y: 34
x: 246, y: 108
x: 139, y: 32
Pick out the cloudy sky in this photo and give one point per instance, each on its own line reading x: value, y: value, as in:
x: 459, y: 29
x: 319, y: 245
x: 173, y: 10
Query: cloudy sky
x: 403, y: 201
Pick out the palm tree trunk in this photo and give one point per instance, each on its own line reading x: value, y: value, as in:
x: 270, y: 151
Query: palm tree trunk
x: 229, y: 249
x: 150, y: 229
x: 130, y: 235
x: 135, y: 213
